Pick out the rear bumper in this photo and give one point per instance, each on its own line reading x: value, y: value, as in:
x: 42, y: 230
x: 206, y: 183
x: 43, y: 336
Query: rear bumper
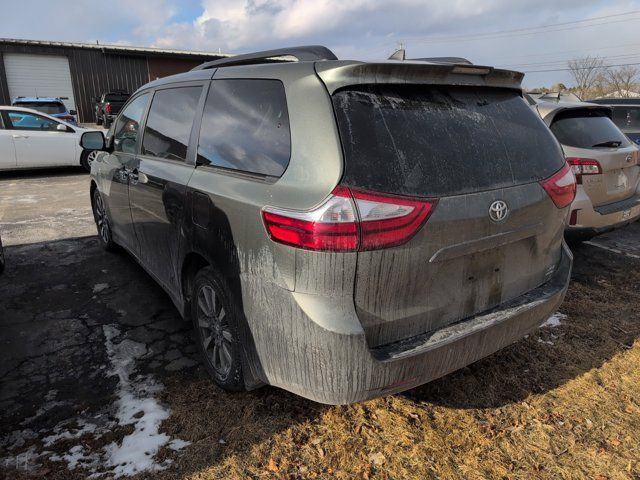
x: 335, y: 366
x: 592, y: 221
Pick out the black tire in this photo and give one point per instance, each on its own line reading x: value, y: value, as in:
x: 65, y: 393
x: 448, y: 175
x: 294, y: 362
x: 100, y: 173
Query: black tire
x: 106, y: 123
x: 216, y: 324
x: 98, y: 120
x: 102, y: 223
x: 1, y: 257
x: 86, y: 158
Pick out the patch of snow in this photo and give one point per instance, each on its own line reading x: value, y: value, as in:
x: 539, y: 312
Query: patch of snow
x: 546, y: 342
x: 138, y: 407
x: 79, y: 457
x: 70, y: 433
x: 99, y: 287
x: 25, y: 461
x: 177, y: 444
x: 554, y: 320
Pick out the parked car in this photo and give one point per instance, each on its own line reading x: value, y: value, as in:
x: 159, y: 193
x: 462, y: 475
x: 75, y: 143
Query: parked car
x: 31, y: 139
x: 1, y: 257
x: 108, y: 106
x: 606, y: 165
x: 626, y: 115
x: 53, y: 106
x: 340, y: 229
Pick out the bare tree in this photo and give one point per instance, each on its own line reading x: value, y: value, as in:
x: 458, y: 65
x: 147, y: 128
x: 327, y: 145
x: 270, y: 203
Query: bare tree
x: 585, y: 72
x: 623, y: 80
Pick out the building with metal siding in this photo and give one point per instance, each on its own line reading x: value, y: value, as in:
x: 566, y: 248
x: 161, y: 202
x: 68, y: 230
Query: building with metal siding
x: 93, y: 69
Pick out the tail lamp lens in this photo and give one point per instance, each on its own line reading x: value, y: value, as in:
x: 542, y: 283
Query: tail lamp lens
x: 583, y: 166
x: 349, y: 220
x: 561, y: 186
x: 107, y: 108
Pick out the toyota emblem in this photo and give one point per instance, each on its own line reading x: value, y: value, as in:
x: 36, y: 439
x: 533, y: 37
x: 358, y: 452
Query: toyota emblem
x: 498, y: 211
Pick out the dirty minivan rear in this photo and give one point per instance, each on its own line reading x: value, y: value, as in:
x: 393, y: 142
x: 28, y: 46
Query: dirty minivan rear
x: 437, y: 242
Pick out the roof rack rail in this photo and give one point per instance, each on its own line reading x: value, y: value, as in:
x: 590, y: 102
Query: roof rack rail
x: 303, y: 54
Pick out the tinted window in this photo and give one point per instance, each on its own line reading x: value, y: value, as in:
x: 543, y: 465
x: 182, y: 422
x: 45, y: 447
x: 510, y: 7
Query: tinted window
x: 31, y: 121
x: 587, y: 129
x: 125, y: 131
x: 435, y: 141
x: 627, y: 118
x: 246, y: 127
x: 116, y: 97
x: 44, y: 107
x: 166, y: 133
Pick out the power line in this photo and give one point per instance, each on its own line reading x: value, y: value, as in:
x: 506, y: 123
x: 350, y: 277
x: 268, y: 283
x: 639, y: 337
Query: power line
x: 560, y: 62
x: 525, y: 31
x: 581, y: 68
x: 495, y: 37
x: 580, y: 50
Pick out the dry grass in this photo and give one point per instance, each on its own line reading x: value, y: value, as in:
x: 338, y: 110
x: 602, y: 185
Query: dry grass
x: 565, y: 409
x: 534, y: 410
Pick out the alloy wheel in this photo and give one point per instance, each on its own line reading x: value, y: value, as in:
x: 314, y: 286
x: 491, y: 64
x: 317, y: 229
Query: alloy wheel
x: 217, y: 339
x: 91, y: 157
x: 101, y: 219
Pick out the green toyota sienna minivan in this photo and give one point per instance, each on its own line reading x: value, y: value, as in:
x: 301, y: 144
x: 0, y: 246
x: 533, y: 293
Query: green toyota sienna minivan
x: 340, y: 229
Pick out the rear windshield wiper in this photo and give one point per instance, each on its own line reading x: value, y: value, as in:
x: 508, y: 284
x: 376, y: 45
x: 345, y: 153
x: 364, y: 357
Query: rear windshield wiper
x: 610, y: 143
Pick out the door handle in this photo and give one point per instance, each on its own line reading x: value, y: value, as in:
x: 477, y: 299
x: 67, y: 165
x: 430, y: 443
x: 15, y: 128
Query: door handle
x: 20, y: 136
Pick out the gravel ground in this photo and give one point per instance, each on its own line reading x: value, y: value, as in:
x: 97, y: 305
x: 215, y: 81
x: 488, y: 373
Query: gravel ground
x: 99, y: 375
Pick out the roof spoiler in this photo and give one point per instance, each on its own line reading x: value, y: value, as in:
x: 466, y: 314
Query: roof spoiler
x: 337, y: 75
x: 302, y: 54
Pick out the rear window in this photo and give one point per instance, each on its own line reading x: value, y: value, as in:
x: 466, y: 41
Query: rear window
x: 440, y: 140
x: 116, y: 97
x: 44, y: 107
x: 587, y: 129
x: 627, y: 118
x: 245, y: 127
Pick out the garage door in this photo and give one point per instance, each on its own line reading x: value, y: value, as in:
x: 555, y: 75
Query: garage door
x: 39, y: 76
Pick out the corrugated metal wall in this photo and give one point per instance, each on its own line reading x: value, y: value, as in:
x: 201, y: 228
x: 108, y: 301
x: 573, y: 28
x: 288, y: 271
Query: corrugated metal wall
x: 94, y: 70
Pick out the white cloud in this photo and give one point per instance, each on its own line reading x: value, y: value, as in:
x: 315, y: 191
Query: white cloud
x: 365, y: 29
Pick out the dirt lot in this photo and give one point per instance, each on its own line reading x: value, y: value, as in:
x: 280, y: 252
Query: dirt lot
x: 99, y: 375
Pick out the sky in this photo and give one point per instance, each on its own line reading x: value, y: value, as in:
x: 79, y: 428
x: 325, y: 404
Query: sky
x: 533, y: 36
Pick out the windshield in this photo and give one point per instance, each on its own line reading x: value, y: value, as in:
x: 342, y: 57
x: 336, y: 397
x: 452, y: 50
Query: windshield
x: 441, y: 140
x: 44, y: 107
x: 627, y: 118
x: 587, y: 129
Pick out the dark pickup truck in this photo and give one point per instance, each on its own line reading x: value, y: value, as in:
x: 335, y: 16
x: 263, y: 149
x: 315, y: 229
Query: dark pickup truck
x: 108, y: 106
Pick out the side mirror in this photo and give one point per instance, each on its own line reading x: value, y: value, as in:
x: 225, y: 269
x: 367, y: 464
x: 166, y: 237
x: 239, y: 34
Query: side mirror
x: 92, y: 141
x: 73, y: 112
x: 62, y: 128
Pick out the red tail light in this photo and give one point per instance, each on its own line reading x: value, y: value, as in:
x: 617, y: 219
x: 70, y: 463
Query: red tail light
x: 583, y: 166
x: 107, y: 108
x: 561, y: 187
x: 350, y: 220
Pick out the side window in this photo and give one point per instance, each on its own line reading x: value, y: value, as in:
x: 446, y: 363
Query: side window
x: 168, y: 126
x: 126, y: 129
x: 245, y: 126
x: 31, y: 121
